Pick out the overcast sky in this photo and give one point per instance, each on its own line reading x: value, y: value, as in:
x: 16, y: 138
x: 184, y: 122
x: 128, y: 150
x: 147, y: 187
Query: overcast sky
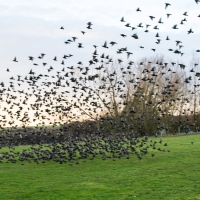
x: 29, y: 28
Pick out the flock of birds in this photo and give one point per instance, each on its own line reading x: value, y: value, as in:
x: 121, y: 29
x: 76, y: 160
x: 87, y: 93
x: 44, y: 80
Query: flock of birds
x: 67, y: 95
x: 73, y: 150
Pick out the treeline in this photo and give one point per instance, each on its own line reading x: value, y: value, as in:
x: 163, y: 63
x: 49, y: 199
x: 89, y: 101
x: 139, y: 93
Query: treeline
x: 146, y: 97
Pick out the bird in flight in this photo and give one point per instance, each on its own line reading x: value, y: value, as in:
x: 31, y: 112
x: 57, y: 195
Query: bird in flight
x: 105, y: 45
x: 15, y: 59
x: 122, y: 19
x: 167, y: 4
x: 80, y: 45
x: 74, y: 38
x: 123, y: 35
x: 138, y: 10
x: 135, y: 36
x: 190, y: 31
x: 151, y: 17
x: 175, y: 26
x: 160, y: 21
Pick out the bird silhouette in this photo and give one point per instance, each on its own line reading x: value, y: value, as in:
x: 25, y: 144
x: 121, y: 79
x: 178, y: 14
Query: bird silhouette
x: 167, y: 4
x: 105, y: 45
x: 15, y: 59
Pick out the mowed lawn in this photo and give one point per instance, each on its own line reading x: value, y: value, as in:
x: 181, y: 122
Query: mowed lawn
x: 168, y: 175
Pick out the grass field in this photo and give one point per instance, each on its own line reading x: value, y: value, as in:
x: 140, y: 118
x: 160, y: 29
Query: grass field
x: 168, y: 175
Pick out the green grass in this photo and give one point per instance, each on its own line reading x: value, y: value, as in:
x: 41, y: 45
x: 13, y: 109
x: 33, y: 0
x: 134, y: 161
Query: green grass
x: 30, y: 127
x: 169, y: 175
